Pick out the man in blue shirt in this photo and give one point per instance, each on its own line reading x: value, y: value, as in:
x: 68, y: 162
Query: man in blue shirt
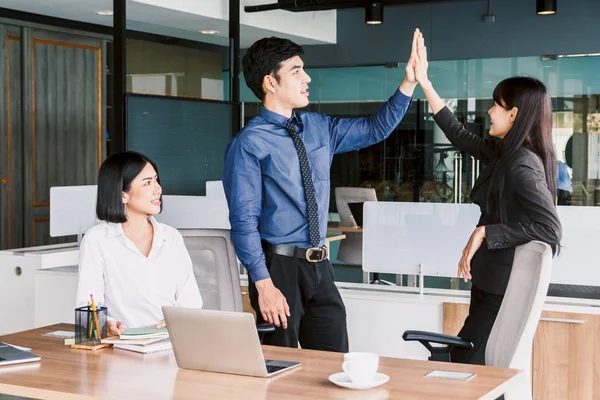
x: 276, y: 180
x: 564, y: 186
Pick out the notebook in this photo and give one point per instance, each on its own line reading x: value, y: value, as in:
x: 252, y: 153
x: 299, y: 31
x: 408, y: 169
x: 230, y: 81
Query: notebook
x: 12, y: 355
x: 147, y: 332
x: 137, y: 342
x: 163, y: 345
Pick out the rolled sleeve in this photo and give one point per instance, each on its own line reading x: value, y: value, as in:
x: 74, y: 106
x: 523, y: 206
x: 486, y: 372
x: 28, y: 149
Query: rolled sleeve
x: 348, y: 134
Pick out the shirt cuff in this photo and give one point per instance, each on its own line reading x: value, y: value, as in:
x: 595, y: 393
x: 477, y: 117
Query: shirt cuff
x: 259, y: 273
x: 495, y: 237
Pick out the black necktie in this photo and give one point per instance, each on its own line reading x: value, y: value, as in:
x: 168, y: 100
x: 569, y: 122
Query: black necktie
x: 312, y: 211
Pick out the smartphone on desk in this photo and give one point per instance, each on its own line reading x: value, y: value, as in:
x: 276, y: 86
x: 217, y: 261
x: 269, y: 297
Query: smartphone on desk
x: 457, y: 376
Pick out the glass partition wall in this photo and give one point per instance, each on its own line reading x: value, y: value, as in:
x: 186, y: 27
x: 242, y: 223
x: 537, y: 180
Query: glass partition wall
x: 418, y: 164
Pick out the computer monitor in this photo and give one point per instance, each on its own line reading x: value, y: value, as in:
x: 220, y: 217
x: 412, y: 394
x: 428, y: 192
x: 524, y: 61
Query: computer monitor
x: 346, y: 195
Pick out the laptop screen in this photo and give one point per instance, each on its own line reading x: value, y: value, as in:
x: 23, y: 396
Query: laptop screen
x: 357, y: 212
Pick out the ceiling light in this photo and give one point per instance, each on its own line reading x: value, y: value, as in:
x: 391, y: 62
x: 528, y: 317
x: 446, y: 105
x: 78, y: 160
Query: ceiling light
x: 578, y: 55
x: 374, y: 13
x: 546, y: 7
x: 104, y: 12
x: 209, y: 32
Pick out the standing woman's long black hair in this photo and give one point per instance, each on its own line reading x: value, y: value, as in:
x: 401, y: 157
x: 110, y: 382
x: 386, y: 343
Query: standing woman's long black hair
x: 532, y: 128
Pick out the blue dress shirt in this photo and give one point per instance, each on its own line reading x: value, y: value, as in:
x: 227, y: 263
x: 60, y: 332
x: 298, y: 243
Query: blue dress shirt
x: 262, y: 178
x: 564, y: 180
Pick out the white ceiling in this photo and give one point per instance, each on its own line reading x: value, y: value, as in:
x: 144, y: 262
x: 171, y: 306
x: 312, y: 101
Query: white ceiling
x: 153, y: 19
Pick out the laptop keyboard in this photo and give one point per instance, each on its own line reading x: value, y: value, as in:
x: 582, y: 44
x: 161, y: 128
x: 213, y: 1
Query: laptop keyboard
x: 273, y: 367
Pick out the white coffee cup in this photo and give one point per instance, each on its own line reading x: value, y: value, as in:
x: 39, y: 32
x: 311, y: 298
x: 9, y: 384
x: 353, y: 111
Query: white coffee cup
x: 360, y: 367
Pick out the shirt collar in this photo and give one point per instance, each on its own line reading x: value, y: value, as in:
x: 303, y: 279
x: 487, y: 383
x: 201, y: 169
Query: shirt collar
x: 160, y: 235
x: 278, y: 119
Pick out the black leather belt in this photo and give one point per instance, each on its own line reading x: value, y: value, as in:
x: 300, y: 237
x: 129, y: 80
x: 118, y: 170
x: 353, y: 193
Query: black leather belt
x: 313, y: 254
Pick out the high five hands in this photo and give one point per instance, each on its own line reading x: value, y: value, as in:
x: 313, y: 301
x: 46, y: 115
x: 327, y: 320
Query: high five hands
x: 416, y: 67
x: 416, y: 72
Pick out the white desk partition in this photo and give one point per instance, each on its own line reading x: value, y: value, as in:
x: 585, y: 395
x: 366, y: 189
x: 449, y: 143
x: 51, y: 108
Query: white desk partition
x: 72, y: 209
x: 578, y: 262
x: 399, y: 238
x: 209, y: 212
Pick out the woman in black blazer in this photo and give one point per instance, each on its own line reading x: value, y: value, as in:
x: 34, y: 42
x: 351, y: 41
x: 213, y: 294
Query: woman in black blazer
x: 516, y: 191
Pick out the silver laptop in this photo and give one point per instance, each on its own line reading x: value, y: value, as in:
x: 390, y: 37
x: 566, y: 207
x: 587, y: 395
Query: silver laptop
x: 219, y: 341
x: 12, y: 355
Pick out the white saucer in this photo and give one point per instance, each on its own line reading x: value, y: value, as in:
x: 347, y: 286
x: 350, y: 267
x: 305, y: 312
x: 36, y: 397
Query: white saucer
x: 342, y: 379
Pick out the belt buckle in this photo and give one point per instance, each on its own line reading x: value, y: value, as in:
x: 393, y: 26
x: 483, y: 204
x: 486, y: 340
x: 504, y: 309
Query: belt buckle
x: 313, y: 250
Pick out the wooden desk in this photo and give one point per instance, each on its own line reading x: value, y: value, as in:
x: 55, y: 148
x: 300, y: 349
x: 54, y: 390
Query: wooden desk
x: 333, y: 238
x: 342, y: 227
x: 67, y: 374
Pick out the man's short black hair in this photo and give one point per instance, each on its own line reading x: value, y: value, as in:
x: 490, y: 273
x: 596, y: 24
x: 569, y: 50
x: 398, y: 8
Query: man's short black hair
x: 264, y: 57
x: 115, y: 177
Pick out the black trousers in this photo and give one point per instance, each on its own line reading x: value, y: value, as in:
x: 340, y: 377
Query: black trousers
x: 483, y: 311
x: 317, y: 313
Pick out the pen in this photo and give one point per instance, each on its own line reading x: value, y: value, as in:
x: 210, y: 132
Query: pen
x: 95, y: 317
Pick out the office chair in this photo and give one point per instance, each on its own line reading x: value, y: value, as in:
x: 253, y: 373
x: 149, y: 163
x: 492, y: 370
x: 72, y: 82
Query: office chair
x: 350, y: 250
x: 511, y: 340
x: 216, y: 270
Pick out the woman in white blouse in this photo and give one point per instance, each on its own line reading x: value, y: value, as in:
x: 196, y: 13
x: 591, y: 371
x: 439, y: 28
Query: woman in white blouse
x: 131, y: 263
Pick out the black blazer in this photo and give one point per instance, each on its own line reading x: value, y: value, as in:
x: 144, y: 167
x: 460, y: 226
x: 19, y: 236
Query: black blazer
x: 531, y: 210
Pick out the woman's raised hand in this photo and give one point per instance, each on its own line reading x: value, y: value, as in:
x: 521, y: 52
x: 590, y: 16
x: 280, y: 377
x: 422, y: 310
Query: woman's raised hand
x: 421, y: 63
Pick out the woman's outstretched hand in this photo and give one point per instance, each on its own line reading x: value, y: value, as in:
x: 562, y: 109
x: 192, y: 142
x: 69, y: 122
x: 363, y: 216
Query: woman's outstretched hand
x: 421, y: 64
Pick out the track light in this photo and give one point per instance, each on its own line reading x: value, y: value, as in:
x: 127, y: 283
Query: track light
x: 546, y: 7
x: 374, y: 13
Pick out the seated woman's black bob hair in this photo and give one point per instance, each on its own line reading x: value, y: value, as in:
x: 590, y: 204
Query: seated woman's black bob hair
x: 115, y: 177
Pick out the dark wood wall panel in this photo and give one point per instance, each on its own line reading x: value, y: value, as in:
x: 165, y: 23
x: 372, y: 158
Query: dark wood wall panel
x: 11, y: 148
x: 16, y: 143
x: 41, y: 232
x: 52, y: 120
x: 66, y: 132
x: 4, y: 141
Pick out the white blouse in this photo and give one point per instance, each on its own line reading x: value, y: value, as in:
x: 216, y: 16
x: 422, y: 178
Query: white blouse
x: 134, y: 287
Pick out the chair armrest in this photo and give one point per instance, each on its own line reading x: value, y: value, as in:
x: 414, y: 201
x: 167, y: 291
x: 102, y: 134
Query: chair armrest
x: 438, y: 338
x: 265, y: 328
x: 438, y: 353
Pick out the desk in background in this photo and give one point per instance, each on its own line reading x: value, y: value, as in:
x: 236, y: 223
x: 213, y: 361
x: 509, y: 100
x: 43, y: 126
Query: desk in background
x: 342, y: 227
x: 67, y: 374
x: 333, y: 238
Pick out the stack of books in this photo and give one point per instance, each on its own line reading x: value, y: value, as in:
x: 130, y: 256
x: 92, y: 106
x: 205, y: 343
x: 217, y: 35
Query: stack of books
x: 142, y: 340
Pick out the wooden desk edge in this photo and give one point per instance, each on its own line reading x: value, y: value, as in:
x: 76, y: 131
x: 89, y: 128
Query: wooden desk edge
x: 502, y: 388
x: 45, y: 394
x: 333, y: 238
x: 337, y: 227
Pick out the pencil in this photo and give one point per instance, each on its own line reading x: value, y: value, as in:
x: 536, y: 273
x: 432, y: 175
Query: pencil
x: 90, y: 321
x: 95, y: 317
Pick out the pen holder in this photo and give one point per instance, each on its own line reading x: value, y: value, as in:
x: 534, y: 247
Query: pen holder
x: 90, y: 326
